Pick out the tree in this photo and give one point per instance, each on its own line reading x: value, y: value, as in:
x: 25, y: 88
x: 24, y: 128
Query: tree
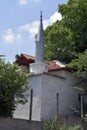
x: 81, y: 73
x: 75, y: 18
x: 58, y: 43
x: 67, y: 38
x: 81, y: 65
x: 12, y: 88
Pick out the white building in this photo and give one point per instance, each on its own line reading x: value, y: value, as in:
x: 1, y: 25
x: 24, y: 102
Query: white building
x: 52, y: 84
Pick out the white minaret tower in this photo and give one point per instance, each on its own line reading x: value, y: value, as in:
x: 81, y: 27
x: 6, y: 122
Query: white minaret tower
x: 39, y: 57
x: 39, y: 66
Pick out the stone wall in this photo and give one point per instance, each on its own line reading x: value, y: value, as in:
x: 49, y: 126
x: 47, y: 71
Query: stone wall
x: 17, y: 124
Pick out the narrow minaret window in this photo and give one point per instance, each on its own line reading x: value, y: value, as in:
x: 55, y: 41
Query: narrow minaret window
x: 39, y: 57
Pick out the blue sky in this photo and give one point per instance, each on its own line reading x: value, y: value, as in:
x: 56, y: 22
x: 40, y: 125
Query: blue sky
x: 19, y: 21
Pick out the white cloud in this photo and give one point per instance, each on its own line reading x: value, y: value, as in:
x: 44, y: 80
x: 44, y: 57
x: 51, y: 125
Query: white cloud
x: 10, y: 37
x: 24, y: 2
x: 32, y: 28
x: 16, y: 35
x: 56, y: 16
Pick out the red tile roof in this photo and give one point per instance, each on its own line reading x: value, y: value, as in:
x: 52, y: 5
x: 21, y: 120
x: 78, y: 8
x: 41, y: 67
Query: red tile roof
x: 56, y: 66
x: 53, y: 66
x: 24, y: 59
x: 28, y: 57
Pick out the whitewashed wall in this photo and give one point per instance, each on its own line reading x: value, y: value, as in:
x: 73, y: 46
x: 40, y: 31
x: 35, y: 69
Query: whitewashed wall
x: 51, y: 86
x: 23, y: 111
x: 36, y: 84
x: 45, y: 87
x: 68, y: 97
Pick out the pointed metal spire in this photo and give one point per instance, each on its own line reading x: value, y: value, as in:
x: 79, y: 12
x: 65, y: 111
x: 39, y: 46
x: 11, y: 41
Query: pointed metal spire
x: 40, y: 42
x: 41, y: 16
x: 40, y: 35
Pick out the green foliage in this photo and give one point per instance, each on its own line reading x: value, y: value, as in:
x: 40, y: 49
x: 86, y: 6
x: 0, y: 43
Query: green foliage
x: 53, y: 125
x: 81, y: 65
x: 85, y: 118
x: 58, y: 43
x: 12, y: 87
x: 67, y: 38
x: 75, y: 18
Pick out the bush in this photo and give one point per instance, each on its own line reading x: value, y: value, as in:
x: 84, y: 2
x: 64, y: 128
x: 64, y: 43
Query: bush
x: 13, y: 86
x: 53, y: 125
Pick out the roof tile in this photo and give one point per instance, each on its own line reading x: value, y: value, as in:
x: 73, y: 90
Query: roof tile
x: 52, y: 65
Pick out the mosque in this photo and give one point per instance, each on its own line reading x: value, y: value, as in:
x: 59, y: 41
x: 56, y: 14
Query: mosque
x: 52, y: 84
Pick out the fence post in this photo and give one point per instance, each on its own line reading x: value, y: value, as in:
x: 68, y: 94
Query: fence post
x: 82, y: 101
x: 57, y: 97
x: 31, y: 103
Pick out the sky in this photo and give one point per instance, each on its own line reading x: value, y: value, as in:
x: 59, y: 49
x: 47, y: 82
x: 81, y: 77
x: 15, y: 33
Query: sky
x: 19, y: 21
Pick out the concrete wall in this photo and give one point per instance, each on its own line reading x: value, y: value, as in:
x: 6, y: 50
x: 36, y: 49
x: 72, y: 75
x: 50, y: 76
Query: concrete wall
x: 15, y: 124
x: 68, y: 97
x: 36, y: 84
x: 22, y: 111
x: 45, y: 87
x: 51, y: 86
x: 38, y: 67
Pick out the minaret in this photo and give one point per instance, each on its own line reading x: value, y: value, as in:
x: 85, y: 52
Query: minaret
x: 39, y: 56
x: 39, y: 66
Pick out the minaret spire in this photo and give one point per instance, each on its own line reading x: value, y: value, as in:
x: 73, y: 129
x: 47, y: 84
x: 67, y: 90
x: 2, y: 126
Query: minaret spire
x: 41, y: 20
x: 40, y: 42
x: 41, y: 16
x: 39, y: 66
